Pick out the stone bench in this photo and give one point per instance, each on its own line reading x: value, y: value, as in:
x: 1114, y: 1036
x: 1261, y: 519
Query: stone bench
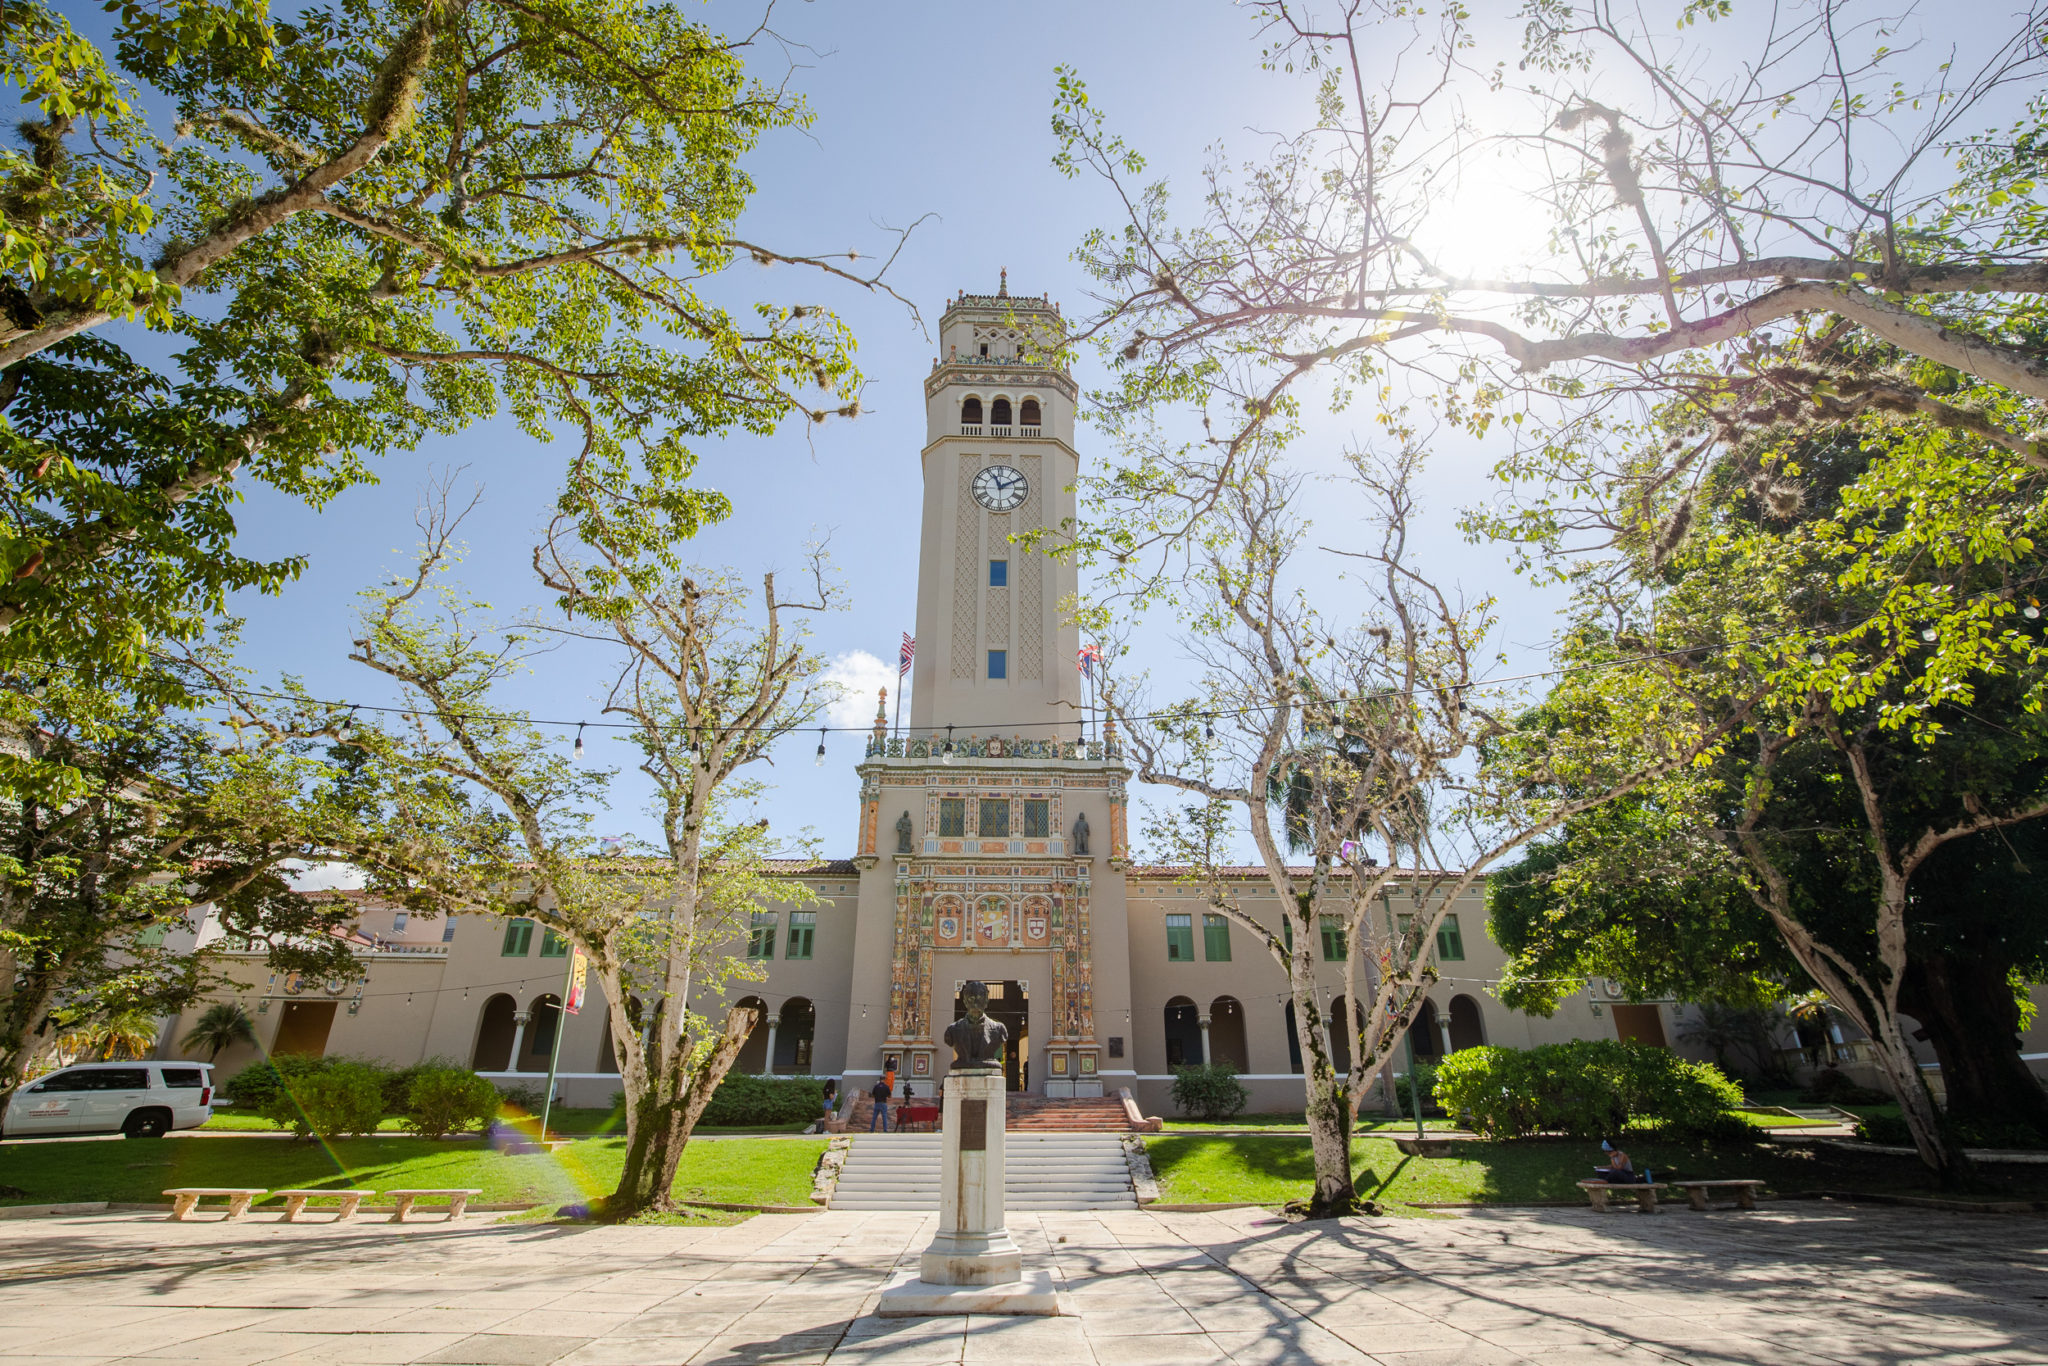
x: 457, y: 1201
x: 295, y: 1202
x: 184, y: 1199
x: 1699, y: 1192
x: 1645, y: 1192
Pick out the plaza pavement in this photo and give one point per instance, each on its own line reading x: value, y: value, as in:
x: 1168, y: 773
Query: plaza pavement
x: 1796, y: 1282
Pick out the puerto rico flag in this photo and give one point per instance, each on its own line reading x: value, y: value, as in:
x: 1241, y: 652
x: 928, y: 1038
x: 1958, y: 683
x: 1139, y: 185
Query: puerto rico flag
x: 905, y: 655
x: 1086, y: 659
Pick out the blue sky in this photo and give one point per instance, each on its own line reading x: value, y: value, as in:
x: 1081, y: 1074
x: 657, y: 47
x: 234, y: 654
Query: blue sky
x: 921, y: 109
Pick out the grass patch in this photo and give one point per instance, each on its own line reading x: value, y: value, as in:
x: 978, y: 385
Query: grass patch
x: 570, y: 1120
x: 1763, y: 1120
x: 736, y: 1171
x: 1272, y: 1169
x: 1295, y: 1124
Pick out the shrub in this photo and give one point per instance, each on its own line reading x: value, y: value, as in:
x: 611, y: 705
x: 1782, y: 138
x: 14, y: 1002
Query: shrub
x: 444, y: 1100
x: 343, y: 1098
x: 743, y: 1100
x: 256, y: 1084
x: 1426, y: 1073
x: 527, y: 1096
x: 1209, y: 1090
x: 398, y: 1083
x: 1589, y: 1088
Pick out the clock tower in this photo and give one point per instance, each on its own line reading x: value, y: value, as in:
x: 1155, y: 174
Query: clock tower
x: 992, y: 830
x: 999, y: 462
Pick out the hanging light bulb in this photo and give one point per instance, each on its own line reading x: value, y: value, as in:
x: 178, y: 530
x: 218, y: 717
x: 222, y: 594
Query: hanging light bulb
x: 1930, y: 635
x: 821, y: 747
x: 1208, y: 728
x: 947, y: 756
x: 347, y: 730
x: 577, y: 752
x: 2032, y: 611
x: 1816, y: 658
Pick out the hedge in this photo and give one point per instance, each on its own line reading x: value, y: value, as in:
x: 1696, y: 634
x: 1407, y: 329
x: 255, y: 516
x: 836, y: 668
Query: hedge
x: 1209, y: 1090
x: 746, y: 1101
x: 1589, y: 1088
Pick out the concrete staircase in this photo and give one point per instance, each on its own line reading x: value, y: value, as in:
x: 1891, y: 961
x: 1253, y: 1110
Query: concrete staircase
x: 1045, y: 1171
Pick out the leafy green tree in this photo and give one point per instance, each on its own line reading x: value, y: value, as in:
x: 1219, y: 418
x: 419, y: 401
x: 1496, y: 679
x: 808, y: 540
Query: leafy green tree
x: 381, y: 220
x: 219, y: 1027
x: 120, y: 819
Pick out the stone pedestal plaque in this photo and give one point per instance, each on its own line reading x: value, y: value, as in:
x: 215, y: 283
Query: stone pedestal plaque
x: 972, y: 1247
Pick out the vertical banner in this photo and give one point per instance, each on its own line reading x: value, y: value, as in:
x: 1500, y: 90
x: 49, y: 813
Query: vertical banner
x: 579, y: 971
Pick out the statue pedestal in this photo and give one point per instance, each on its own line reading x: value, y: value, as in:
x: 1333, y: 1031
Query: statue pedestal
x: 972, y: 1265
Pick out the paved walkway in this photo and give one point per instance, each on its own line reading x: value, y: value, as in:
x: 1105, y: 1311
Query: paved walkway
x: 1792, y: 1283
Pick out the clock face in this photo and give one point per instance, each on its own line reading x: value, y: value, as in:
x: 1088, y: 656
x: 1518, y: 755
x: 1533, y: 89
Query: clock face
x: 1000, y: 488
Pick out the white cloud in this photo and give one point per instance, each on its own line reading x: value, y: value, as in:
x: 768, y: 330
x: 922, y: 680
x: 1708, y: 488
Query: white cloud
x: 859, y: 674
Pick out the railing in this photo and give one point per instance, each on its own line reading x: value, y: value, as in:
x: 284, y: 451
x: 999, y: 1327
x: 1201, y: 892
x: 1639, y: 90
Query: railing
x: 999, y: 431
x: 994, y: 747
x: 1028, y: 431
x: 970, y: 429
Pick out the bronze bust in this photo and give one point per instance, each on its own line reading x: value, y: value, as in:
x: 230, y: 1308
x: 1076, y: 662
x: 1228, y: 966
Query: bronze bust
x: 977, y: 1041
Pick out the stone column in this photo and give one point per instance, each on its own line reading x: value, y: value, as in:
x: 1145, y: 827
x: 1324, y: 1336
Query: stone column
x: 1443, y: 1029
x: 973, y: 1247
x: 518, y: 1038
x: 1207, y: 1056
x: 768, y: 1062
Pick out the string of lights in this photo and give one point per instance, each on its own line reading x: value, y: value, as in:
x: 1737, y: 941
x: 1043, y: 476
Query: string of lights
x: 1209, y: 714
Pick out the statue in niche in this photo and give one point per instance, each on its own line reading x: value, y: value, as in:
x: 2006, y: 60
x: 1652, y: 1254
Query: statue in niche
x: 903, y: 833
x: 977, y: 1041
x: 1081, y: 833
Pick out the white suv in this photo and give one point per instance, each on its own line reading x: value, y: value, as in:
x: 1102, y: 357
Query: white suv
x: 138, y: 1099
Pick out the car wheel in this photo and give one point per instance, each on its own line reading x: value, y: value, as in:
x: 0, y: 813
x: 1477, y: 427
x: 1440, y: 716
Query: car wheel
x: 147, y: 1124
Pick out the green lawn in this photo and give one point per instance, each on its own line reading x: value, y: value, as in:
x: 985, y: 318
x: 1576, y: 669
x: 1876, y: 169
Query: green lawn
x: 566, y: 1120
x: 736, y: 1171
x: 1294, y: 1124
x: 1271, y: 1170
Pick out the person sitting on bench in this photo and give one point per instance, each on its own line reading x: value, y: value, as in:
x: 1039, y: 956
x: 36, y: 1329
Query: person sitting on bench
x: 1619, y: 1171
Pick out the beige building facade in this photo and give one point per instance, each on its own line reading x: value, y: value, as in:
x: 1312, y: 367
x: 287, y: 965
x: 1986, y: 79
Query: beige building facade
x: 993, y: 843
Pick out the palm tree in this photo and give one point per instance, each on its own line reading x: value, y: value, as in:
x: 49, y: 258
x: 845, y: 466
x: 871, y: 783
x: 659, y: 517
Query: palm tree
x: 125, y: 1034
x: 219, y: 1028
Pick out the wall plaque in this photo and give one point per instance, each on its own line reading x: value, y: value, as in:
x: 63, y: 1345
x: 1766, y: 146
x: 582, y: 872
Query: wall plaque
x: 973, y: 1126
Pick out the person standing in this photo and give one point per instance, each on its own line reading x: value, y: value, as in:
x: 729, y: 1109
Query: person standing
x: 881, y: 1097
x: 830, y: 1102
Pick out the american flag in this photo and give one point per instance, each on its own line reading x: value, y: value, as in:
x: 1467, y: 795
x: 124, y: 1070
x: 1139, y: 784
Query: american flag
x: 1086, y: 659
x: 904, y: 656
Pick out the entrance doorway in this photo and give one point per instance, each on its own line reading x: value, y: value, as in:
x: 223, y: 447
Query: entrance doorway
x: 1007, y: 1003
x: 304, y: 1028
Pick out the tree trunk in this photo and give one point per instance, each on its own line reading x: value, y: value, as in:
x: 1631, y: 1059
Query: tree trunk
x: 666, y: 1113
x: 1967, y: 1006
x: 1932, y: 1138
x: 1328, y: 1112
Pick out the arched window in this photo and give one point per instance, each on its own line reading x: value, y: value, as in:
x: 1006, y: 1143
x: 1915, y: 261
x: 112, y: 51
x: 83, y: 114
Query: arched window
x: 1183, y: 1033
x: 1226, y: 1033
x: 999, y: 413
x: 494, y: 1026
x: 970, y: 413
x: 544, y: 1017
x: 753, y: 1058
x: 794, y: 1032
x: 1428, y: 1040
x: 1468, y: 1025
x: 1027, y: 413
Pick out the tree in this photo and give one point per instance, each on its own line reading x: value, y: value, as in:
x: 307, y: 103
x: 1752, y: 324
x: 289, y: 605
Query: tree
x: 122, y: 817
x: 497, y: 820
x: 219, y: 1027
x: 381, y: 220
x: 1334, y: 733
x: 1726, y: 228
